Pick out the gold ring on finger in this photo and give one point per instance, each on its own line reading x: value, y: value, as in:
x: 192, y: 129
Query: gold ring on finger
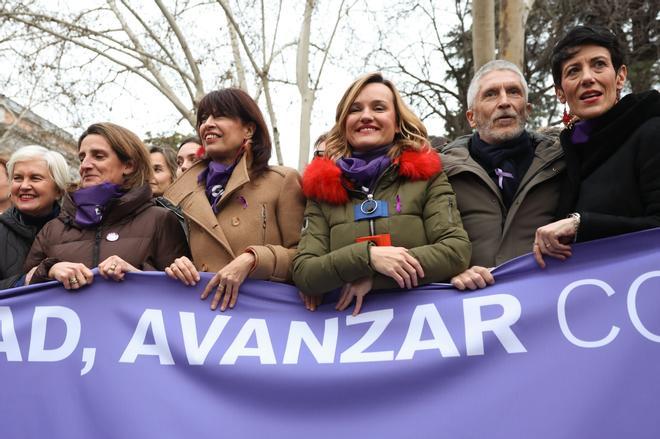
x: 73, y: 280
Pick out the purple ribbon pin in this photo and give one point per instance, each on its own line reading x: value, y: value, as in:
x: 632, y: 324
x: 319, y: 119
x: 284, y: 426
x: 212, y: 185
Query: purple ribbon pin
x: 502, y: 174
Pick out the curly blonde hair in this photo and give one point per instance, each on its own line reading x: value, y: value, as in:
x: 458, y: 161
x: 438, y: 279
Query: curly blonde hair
x: 411, y: 132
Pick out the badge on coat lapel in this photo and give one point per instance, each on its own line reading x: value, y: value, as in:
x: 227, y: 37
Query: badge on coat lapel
x: 112, y: 236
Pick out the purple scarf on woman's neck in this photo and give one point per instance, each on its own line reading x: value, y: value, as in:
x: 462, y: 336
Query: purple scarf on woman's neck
x: 91, y: 202
x: 215, y: 178
x: 582, y: 130
x: 364, y: 168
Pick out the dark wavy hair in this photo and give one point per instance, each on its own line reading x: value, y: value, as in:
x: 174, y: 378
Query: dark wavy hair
x: 235, y: 103
x: 582, y: 36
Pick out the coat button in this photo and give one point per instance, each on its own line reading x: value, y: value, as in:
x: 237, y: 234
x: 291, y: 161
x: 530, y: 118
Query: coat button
x: 235, y: 221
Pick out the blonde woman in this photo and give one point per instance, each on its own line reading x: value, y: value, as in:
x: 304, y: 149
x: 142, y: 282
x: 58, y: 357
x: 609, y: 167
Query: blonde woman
x: 380, y: 211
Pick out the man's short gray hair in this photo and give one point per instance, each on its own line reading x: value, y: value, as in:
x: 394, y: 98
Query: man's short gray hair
x: 490, y: 66
x: 56, y: 163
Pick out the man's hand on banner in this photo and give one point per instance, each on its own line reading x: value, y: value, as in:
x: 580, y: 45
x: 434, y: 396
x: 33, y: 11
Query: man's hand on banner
x: 473, y: 278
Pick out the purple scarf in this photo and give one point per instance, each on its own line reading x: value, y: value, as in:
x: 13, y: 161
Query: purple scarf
x: 215, y: 178
x: 582, y: 131
x: 364, y: 168
x: 91, y: 202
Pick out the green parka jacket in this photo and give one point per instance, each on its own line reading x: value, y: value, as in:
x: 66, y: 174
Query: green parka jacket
x: 497, y: 233
x: 422, y: 218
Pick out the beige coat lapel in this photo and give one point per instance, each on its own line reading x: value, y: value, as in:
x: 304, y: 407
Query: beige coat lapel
x: 237, y: 180
x: 191, y: 197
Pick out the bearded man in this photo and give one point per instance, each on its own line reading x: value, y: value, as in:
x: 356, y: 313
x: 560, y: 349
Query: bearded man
x: 506, y: 178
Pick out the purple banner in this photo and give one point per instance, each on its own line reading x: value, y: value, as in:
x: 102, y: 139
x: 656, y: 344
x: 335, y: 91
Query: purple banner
x: 572, y: 351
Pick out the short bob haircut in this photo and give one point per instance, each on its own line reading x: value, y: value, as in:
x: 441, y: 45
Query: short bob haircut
x: 128, y: 147
x: 582, y: 36
x: 57, y: 166
x: 170, y: 158
x: 492, y: 66
x: 234, y: 103
x: 411, y: 132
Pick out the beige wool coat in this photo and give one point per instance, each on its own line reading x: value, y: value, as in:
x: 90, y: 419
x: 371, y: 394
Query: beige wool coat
x: 261, y: 215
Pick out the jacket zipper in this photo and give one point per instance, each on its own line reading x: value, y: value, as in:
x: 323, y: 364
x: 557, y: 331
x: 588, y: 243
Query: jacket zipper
x: 97, y: 247
x: 263, y: 224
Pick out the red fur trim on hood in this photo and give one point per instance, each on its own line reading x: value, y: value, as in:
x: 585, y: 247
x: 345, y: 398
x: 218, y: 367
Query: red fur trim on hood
x: 322, y: 181
x: 419, y: 165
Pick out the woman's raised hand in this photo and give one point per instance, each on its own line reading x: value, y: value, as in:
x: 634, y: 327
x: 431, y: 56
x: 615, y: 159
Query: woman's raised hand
x: 397, y: 263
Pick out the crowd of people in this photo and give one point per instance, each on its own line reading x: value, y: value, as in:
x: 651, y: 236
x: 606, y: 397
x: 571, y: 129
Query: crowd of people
x: 377, y: 208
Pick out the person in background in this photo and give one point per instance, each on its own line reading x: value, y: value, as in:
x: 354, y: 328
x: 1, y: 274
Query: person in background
x: 380, y: 211
x: 111, y: 222
x: 319, y: 145
x: 187, y: 154
x: 244, y: 216
x: 39, y: 178
x: 5, y: 194
x: 163, y: 164
x: 611, y: 144
x: 506, y: 178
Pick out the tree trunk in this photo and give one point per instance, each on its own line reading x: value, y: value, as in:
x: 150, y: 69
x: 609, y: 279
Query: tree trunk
x: 302, y: 79
x: 483, y: 32
x: 238, y: 62
x: 512, y: 32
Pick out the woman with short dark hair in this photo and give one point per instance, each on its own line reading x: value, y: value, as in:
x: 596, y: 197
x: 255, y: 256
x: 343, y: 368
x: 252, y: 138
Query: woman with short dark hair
x: 611, y: 146
x: 244, y: 217
x: 112, y: 221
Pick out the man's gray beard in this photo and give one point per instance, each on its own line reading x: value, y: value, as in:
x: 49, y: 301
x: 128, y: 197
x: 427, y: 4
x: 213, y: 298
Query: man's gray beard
x: 503, y: 137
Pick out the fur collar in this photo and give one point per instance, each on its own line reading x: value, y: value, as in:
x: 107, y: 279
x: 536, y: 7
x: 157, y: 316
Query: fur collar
x: 323, y: 180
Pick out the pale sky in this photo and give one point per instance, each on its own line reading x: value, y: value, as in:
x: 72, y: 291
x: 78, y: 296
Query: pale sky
x: 136, y: 105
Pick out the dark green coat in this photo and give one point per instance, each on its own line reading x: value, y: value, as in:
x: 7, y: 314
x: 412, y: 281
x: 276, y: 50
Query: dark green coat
x: 426, y: 222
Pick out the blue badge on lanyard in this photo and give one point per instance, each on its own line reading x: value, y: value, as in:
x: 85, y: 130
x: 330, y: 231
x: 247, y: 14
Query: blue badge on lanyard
x: 371, y: 209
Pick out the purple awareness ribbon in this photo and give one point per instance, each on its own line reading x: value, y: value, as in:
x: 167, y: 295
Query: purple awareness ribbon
x: 502, y: 174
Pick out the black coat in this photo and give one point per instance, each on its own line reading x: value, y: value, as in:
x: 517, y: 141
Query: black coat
x: 613, y: 180
x: 16, y: 237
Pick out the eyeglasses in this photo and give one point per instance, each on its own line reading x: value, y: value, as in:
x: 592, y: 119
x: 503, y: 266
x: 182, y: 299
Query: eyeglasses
x: 318, y: 153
